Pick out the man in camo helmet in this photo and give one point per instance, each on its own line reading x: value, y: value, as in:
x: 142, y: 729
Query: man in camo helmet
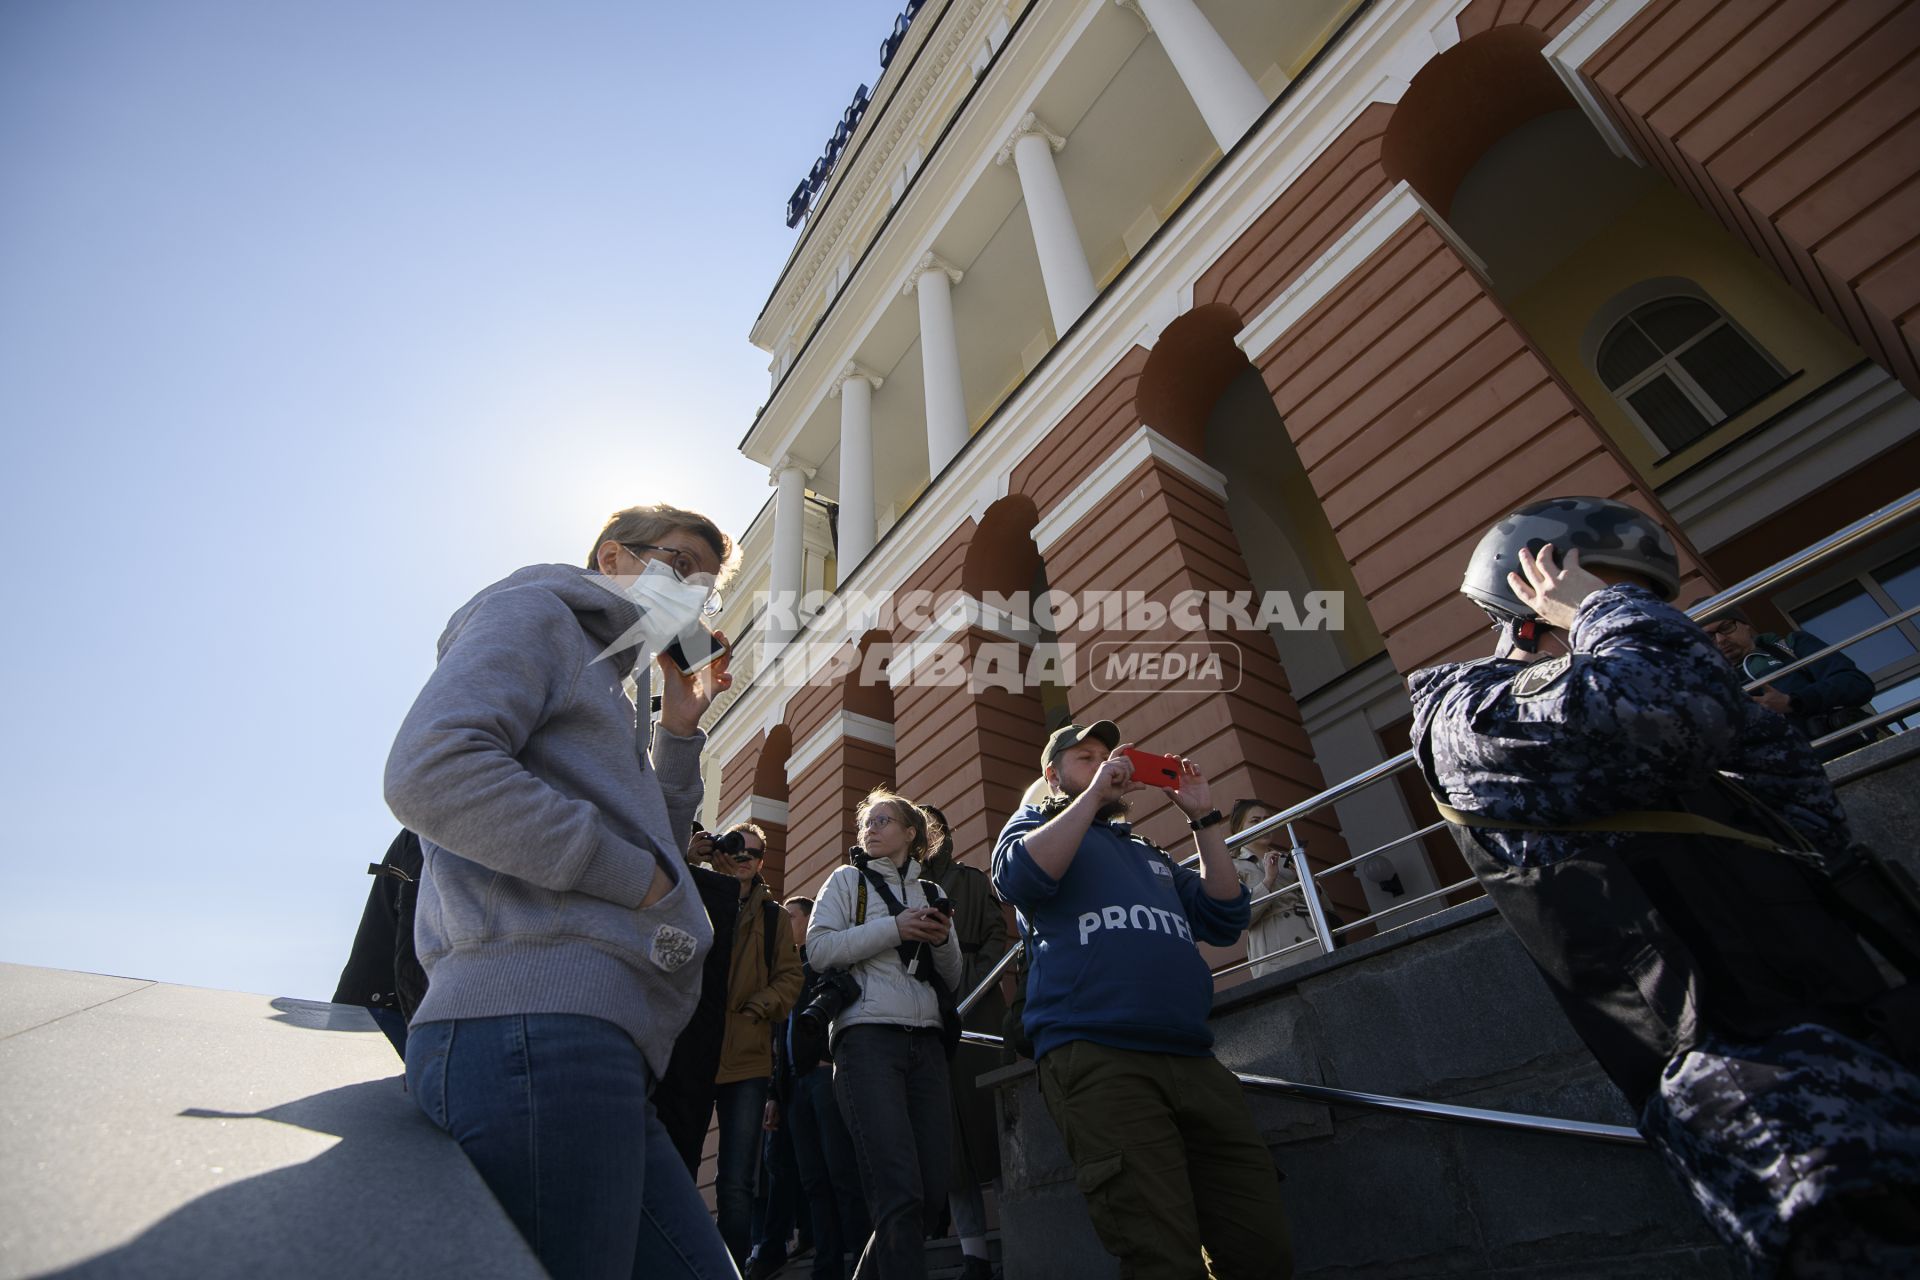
x: 1764, y: 1055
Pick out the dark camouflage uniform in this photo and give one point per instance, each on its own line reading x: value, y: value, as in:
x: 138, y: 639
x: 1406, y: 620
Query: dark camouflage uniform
x: 1763, y: 1134
x: 1643, y: 712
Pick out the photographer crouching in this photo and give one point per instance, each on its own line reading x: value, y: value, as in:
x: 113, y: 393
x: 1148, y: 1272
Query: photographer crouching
x: 883, y: 928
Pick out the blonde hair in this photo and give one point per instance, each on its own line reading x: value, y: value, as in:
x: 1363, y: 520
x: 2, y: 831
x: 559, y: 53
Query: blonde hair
x: 903, y: 809
x: 637, y: 525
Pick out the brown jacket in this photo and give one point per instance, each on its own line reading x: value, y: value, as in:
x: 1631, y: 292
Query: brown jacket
x: 756, y: 1000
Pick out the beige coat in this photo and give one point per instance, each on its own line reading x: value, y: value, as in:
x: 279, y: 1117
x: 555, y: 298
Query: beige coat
x: 1277, y: 923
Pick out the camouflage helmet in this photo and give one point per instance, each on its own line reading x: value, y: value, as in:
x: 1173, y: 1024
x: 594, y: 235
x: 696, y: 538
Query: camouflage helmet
x: 1605, y: 532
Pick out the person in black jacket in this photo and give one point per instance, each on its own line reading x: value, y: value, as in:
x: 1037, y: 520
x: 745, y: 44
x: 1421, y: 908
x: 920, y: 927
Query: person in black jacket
x: 684, y: 1096
x: 1818, y: 699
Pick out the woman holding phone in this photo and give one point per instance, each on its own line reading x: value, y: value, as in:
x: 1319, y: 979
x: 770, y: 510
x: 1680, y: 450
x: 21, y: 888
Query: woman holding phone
x: 876, y: 921
x: 558, y: 923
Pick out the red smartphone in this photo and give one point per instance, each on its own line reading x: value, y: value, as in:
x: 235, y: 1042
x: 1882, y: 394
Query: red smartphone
x: 1155, y: 771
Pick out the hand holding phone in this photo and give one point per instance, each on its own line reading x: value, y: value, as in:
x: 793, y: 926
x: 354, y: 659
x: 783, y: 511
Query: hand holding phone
x: 1154, y: 770
x: 694, y: 649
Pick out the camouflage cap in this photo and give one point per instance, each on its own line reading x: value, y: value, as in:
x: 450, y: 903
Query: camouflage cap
x: 1604, y: 532
x: 1072, y: 735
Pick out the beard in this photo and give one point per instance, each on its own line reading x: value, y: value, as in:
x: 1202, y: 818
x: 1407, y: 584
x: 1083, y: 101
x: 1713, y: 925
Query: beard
x: 1109, y: 811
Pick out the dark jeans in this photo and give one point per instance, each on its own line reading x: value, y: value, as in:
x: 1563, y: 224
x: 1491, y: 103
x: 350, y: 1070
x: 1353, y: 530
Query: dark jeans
x: 552, y: 1110
x: 830, y: 1172
x: 891, y: 1083
x: 742, y: 1107
x: 779, y: 1205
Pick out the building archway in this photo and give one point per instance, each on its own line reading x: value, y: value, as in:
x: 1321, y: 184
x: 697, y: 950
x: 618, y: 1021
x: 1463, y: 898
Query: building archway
x: 1335, y: 683
x: 1563, y: 228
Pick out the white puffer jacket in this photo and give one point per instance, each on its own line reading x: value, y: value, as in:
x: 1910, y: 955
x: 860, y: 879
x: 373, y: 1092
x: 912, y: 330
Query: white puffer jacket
x: 869, y: 950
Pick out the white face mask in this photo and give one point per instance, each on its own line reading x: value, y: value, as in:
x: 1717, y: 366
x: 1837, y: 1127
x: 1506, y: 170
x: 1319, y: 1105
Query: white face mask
x: 668, y: 606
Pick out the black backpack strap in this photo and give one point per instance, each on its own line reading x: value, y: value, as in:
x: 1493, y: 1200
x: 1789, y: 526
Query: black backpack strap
x: 894, y: 905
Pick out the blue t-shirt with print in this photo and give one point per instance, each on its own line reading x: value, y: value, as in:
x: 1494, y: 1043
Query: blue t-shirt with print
x: 1111, y: 944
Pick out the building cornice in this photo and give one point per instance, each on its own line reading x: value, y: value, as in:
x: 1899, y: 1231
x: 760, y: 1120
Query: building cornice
x: 847, y: 202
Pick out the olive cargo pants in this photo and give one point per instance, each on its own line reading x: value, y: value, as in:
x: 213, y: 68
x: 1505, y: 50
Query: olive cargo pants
x: 1170, y: 1163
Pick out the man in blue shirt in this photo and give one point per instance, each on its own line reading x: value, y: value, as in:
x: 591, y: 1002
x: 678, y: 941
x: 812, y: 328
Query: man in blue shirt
x: 1117, y: 1001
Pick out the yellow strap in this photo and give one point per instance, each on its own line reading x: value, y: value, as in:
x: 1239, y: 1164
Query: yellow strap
x: 860, y: 912
x: 1643, y: 821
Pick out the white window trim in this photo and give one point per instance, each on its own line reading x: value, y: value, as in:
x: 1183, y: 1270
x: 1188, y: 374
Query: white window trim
x: 1619, y: 309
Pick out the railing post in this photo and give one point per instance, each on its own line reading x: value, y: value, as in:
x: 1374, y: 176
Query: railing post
x: 1315, y: 915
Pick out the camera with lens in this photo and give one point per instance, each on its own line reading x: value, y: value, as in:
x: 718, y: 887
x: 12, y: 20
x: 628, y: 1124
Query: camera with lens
x: 728, y: 844
x: 836, y: 991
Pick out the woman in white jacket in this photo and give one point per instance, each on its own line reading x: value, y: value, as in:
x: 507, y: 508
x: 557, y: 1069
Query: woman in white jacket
x: 889, y: 1055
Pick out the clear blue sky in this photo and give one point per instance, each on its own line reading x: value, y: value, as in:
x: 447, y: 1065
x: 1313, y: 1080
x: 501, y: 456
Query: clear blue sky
x: 315, y: 317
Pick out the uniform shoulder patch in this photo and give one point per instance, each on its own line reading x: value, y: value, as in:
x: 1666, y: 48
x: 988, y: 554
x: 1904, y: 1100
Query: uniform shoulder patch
x: 1540, y: 676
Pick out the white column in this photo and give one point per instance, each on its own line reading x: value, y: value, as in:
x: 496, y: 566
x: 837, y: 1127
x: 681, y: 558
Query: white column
x: 858, y: 530
x: 1063, y: 263
x: 1229, y: 99
x: 789, y: 550
x: 932, y: 280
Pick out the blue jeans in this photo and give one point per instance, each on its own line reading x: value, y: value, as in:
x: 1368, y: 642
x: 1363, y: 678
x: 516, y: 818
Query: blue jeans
x: 742, y: 1106
x: 552, y: 1110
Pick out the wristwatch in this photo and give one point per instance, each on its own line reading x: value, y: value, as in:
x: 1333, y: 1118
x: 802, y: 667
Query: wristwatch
x: 1211, y: 817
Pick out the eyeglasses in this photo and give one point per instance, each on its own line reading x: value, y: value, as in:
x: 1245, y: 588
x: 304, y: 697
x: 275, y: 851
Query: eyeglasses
x: 1724, y: 627
x: 879, y: 821
x: 685, y: 568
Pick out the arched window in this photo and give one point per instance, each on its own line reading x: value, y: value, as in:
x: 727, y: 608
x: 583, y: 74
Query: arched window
x: 1680, y: 368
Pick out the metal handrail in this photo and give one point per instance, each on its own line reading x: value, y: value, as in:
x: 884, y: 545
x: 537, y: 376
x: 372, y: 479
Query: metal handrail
x: 1871, y: 722
x: 1833, y: 544
x: 1824, y: 650
x: 1419, y: 1107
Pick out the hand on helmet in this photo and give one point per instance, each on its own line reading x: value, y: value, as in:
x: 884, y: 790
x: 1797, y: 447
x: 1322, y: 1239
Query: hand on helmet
x: 1553, y: 592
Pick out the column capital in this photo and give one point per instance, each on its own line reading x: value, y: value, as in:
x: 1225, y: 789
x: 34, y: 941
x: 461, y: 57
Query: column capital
x: 788, y: 462
x: 1029, y: 123
x: 931, y: 262
x: 851, y: 370
x: 1138, y: 12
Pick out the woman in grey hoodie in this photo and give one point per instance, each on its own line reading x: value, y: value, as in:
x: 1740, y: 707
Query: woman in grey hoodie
x: 557, y: 922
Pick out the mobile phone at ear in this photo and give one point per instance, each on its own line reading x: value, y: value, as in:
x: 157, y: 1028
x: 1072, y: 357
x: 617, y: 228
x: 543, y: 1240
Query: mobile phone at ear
x: 693, y: 649
x: 1155, y: 771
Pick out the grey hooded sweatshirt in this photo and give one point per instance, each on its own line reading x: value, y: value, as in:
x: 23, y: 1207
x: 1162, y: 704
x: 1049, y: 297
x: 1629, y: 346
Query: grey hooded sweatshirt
x: 523, y: 768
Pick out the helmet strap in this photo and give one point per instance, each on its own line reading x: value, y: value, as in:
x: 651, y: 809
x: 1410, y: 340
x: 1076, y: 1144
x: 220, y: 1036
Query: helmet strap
x: 1518, y: 635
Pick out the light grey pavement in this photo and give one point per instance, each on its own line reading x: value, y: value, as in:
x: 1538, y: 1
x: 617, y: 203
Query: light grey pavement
x: 156, y: 1131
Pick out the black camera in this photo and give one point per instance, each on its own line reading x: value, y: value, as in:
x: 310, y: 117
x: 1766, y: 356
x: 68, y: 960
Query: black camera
x: 729, y: 844
x: 836, y: 991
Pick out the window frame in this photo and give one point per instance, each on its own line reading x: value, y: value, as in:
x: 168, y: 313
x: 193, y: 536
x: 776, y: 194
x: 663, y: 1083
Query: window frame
x: 1858, y: 570
x: 1620, y: 309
